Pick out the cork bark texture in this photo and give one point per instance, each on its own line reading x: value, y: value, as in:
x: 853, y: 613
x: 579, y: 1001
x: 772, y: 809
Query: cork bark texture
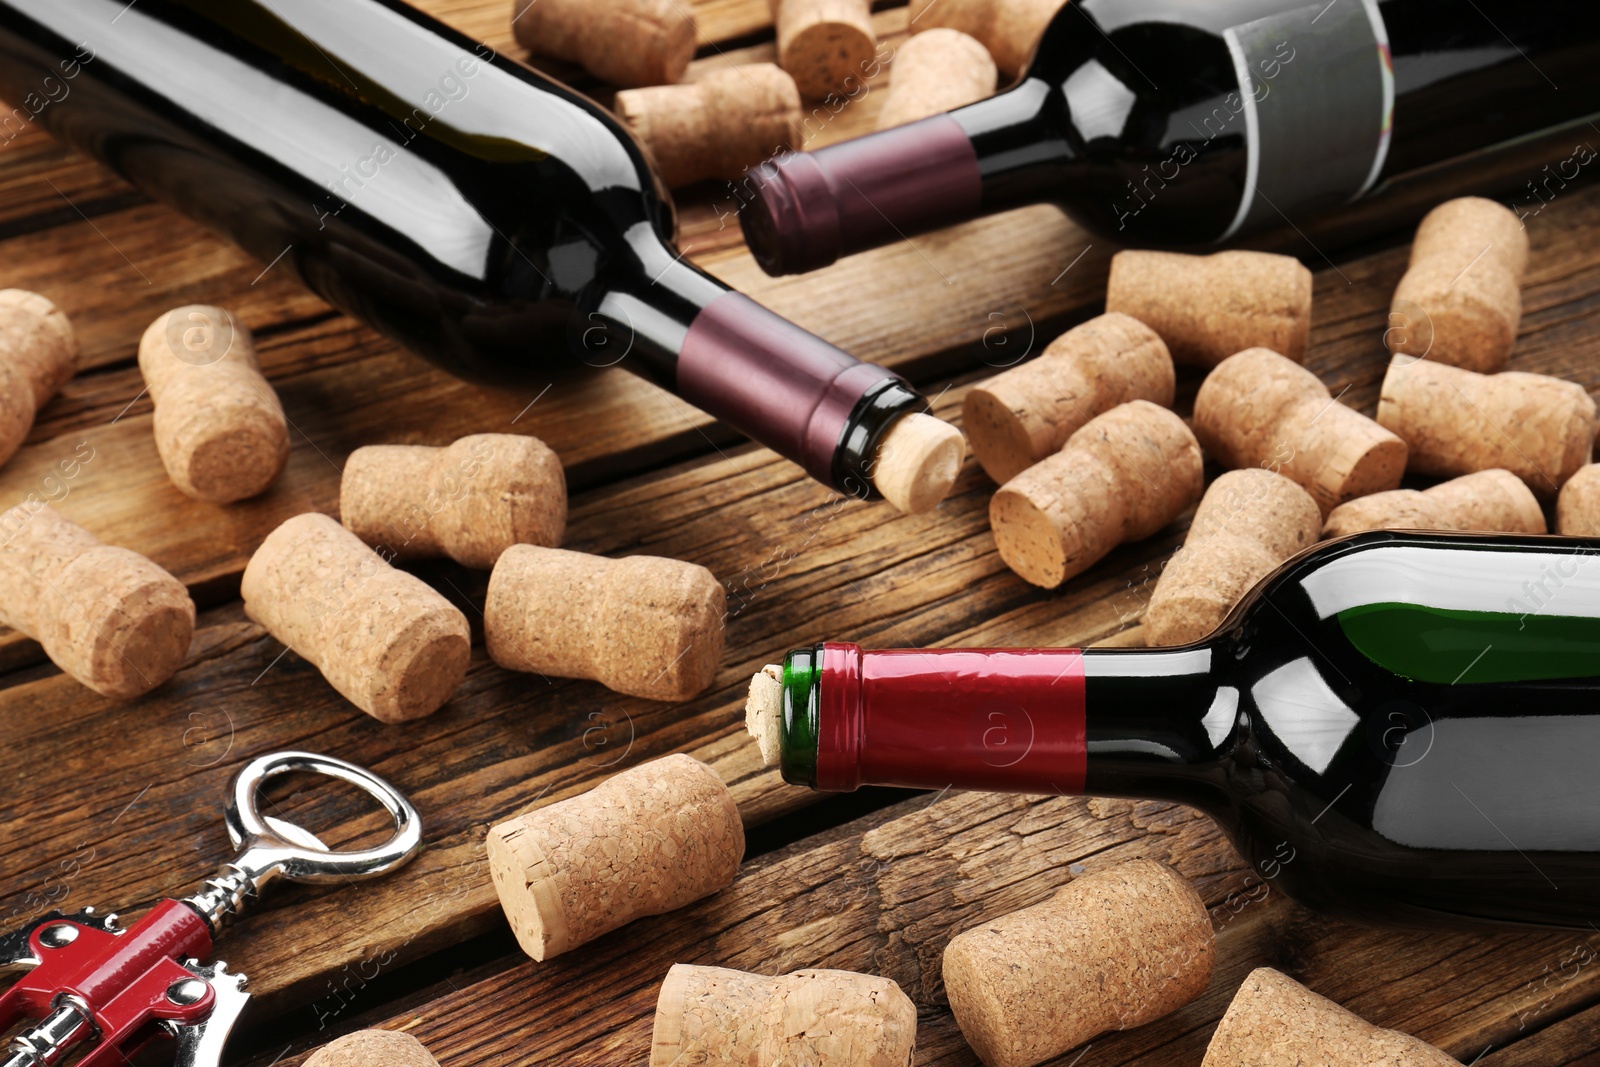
x: 826, y: 45
x: 373, y: 1048
x: 730, y: 120
x: 934, y: 71
x: 1009, y: 29
x: 1492, y: 501
x: 625, y: 42
x: 38, y: 354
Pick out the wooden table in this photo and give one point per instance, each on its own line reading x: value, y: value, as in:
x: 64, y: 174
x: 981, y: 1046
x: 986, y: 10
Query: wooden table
x: 118, y: 804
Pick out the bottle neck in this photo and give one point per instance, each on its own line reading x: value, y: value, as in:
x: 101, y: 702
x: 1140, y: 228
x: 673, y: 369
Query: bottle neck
x: 1068, y: 721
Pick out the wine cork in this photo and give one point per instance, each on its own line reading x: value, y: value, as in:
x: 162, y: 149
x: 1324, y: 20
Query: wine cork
x: 935, y: 71
x: 716, y: 127
x: 718, y: 1017
x: 1025, y: 414
x: 1457, y: 421
x: 470, y: 501
x: 1111, y: 951
x: 106, y: 616
x: 1494, y: 501
x: 389, y: 643
x: 917, y: 462
x: 38, y: 353
x: 1258, y: 409
x: 1460, y: 300
x: 1578, y: 506
x: 1123, y: 476
x: 643, y: 842
x: 827, y: 45
x: 642, y: 625
x: 1248, y: 523
x: 1208, y: 307
x: 219, y: 427
x: 1009, y: 29
x: 763, y: 712
x: 625, y: 42
x: 1275, y: 1021
x: 373, y: 1048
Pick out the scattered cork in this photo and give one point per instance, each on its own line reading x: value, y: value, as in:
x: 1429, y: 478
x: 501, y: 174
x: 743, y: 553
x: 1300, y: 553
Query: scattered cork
x: 1123, y: 476
x: 1457, y: 421
x: 1275, y: 1021
x: 373, y: 1048
x: 643, y: 842
x: 1025, y: 414
x: 935, y: 71
x: 1009, y: 29
x: 717, y: 127
x: 470, y: 501
x: 642, y: 625
x: 220, y: 430
x: 1248, y: 522
x: 763, y: 712
x: 625, y: 42
x: 1577, y: 508
x: 917, y: 462
x: 827, y: 45
x: 106, y: 616
x: 1461, y: 298
x: 1258, y: 409
x: 383, y: 638
x: 1208, y: 307
x: 1111, y: 951
x: 38, y: 353
x: 1492, y: 501
x: 718, y: 1017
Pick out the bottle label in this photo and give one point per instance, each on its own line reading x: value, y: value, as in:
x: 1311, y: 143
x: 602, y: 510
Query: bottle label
x: 1316, y: 91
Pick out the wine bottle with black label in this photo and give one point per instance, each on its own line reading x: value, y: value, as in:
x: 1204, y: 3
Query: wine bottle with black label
x: 469, y: 207
x: 1400, y: 727
x: 1170, y: 123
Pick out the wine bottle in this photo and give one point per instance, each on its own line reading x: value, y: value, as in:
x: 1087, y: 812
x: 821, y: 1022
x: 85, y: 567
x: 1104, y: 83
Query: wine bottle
x: 476, y: 211
x: 1176, y: 124
x: 1394, y: 727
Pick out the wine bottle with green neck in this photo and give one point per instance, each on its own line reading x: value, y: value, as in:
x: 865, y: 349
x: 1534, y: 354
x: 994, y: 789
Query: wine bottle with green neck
x: 1395, y: 727
x: 471, y: 208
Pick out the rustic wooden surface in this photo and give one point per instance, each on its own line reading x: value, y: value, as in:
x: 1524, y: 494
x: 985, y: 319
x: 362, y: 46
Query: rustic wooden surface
x: 118, y: 805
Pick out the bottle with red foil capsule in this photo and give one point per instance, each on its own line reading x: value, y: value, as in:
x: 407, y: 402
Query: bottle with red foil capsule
x: 469, y: 207
x: 1187, y: 124
x: 1395, y: 727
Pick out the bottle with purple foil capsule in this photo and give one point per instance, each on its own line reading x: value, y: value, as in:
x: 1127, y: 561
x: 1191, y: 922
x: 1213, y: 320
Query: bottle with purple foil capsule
x: 1163, y: 122
x: 467, y: 206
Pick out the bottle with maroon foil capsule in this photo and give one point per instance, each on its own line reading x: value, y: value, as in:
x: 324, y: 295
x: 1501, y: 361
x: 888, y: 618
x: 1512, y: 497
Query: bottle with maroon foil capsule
x: 472, y: 209
x: 1186, y: 124
x: 1396, y: 727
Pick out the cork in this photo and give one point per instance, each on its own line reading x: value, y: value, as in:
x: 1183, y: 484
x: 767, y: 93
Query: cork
x: 1009, y: 29
x: 827, y: 45
x: 917, y: 462
x: 625, y: 42
x: 219, y: 427
x: 1111, y: 951
x: 1258, y: 409
x: 1578, y: 506
x: 389, y: 643
x: 1460, y: 300
x: 1123, y: 476
x: 642, y: 625
x: 38, y: 353
x: 470, y: 500
x: 643, y: 842
x: 718, y: 1017
x: 1208, y: 307
x: 108, y: 617
x: 1248, y: 523
x: 763, y: 712
x: 935, y: 71
x: 373, y: 1048
x: 1457, y: 421
x: 717, y: 127
x: 1492, y: 501
x: 1275, y: 1021
x: 1025, y: 414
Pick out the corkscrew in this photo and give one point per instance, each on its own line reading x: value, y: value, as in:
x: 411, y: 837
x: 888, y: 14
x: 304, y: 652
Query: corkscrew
x: 87, y: 981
